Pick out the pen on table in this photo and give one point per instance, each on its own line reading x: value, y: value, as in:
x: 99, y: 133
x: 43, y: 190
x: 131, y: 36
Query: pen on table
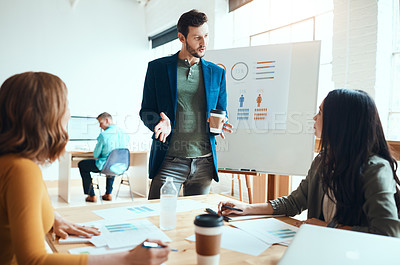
x: 155, y: 245
x: 53, y: 236
x: 231, y: 208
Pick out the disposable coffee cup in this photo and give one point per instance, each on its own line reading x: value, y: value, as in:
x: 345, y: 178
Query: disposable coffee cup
x: 216, y: 118
x: 208, y: 230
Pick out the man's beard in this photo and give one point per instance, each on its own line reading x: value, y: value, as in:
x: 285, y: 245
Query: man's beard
x: 192, y: 51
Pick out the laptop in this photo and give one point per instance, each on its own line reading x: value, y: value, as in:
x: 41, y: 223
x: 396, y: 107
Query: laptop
x: 316, y: 245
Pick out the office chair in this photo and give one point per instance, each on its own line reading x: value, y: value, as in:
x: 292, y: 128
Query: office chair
x: 117, y: 164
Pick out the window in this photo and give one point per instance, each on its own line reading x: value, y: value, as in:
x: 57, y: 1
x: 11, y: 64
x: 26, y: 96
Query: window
x: 165, y: 43
x: 393, y: 132
x: 298, y: 31
x: 263, y: 22
x: 166, y: 49
x: 164, y: 37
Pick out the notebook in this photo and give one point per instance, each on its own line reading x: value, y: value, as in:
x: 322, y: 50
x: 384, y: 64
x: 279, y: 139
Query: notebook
x: 316, y: 245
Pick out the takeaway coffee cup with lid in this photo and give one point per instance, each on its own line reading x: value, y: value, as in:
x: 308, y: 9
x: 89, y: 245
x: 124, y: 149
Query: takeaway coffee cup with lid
x: 208, y: 230
x: 216, y: 120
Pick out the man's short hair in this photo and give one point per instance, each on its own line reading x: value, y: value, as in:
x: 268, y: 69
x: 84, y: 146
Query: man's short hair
x: 104, y: 115
x: 192, y: 18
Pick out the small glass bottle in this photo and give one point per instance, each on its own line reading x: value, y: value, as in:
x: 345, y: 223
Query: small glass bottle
x: 168, y: 195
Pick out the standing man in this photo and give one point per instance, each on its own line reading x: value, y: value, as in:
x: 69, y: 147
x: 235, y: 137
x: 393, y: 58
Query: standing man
x: 179, y: 92
x: 112, y: 137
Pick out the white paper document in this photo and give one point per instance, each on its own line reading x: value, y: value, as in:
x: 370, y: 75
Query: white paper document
x: 129, y: 212
x: 250, y: 217
x: 258, y: 79
x: 146, y: 210
x: 240, y: 241
x: 122, y: 233
x: 96, y: 251
x: 131, y: 233
x: 270, y: 230
x: 189, y: 205
x: 74, y: 240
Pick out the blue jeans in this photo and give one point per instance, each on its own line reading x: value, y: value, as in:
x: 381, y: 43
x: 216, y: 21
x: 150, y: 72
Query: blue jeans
x: 85, y: 167
x: 195, y: 174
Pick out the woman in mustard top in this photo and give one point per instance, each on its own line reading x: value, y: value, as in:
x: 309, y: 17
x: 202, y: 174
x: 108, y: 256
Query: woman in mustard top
x: 33, y: 117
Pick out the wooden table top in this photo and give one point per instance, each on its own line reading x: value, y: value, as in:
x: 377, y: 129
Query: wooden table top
x: 185, y: 228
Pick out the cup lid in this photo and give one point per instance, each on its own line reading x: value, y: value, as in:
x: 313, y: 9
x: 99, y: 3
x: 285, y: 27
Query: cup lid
x: 208, y: 220
x: 218, y: 111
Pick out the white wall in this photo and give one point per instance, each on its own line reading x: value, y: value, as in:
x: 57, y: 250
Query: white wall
x: 99, y: 48
x: 362, y: 41
x: 384, y: 50
x: 354, y: 44
x: 162, y: 14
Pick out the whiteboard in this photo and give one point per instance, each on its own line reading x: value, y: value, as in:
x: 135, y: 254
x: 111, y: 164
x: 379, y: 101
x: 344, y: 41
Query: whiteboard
x: 272, y: 97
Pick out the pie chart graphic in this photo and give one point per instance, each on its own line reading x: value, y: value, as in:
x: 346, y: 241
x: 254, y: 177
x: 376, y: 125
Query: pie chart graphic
x: 239, y: 71
x: 222, y: 66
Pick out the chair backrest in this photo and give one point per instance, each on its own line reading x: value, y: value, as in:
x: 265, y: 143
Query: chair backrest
x: 117, y: 162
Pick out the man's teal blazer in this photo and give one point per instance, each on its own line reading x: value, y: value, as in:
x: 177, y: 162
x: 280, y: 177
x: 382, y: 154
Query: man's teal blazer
x: 160, y: 95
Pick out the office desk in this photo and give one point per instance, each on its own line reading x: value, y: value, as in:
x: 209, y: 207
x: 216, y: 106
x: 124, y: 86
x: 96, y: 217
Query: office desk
x: 187, y: 251
x: 137, y: 172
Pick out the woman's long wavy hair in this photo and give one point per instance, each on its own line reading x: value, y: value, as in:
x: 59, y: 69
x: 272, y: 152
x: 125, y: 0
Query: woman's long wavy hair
x: 351, y: 134
x: 32, y: 107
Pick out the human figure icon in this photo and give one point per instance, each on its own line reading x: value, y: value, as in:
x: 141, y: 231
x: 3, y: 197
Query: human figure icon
x: 241, y: 100
x: 259, y: 99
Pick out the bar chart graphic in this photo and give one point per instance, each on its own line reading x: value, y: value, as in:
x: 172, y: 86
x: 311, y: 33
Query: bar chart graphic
x: 120, y: 227
x: 260, y: 113
x: 283, y: 233
x: 265, y: 70
x: 140, y: 209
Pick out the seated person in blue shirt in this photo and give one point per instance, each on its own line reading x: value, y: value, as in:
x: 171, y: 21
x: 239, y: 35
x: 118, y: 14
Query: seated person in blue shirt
x: 352, y: 183
x: 112, y: 137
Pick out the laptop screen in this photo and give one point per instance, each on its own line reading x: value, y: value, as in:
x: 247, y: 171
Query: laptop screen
x: 316, y: 245
x: 81, y: 128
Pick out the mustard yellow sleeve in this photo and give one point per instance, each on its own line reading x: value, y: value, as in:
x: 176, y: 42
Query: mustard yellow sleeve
x: 31, y: 216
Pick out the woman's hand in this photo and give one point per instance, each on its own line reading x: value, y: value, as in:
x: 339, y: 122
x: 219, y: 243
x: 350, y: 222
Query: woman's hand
x: 256, y: 208
x: 64, y: 228
x: 226, y: 211
x: 141, y: 255
x: 312, y: 221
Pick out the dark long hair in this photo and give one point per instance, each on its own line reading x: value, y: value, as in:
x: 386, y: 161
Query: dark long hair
x: 351, y: 133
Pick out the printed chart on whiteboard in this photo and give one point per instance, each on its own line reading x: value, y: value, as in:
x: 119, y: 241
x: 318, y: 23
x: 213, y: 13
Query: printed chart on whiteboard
x: 271, y: 100
x: 258, y: 87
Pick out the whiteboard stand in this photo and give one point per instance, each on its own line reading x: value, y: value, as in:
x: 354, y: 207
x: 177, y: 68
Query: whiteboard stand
x: 262, y: 187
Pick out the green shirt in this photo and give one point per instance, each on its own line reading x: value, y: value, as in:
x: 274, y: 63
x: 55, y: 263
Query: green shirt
x: 190, y: 136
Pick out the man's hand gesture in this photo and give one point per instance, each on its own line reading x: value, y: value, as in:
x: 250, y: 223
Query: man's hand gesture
x: 163, y: 128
